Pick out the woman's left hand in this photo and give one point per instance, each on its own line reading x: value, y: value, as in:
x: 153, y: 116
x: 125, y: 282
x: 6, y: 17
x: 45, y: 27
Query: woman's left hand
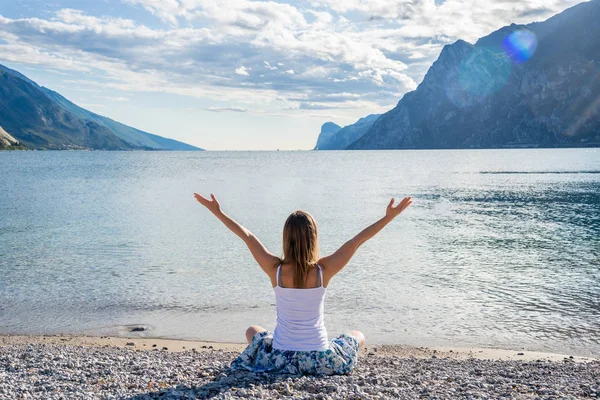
x: 212, y: 205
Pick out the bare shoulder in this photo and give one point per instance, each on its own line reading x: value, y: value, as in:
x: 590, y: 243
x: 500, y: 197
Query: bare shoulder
x: 322, y: 262
x: 327, y: 262
x: 327, y: 272
x: 272, y: 272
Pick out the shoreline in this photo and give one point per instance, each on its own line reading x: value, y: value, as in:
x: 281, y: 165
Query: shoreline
x: 179, y: 345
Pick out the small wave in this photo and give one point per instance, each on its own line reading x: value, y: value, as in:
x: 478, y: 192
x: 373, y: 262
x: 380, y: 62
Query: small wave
x: 539, y: 172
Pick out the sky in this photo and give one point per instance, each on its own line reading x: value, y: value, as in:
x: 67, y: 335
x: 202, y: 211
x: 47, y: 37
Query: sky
x: 242, y: 74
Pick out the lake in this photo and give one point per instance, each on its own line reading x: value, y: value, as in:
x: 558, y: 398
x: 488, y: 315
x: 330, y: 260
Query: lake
x: 501, y: 248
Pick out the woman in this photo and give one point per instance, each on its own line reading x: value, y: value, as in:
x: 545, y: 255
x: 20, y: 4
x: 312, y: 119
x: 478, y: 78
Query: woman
x: 299, y: 343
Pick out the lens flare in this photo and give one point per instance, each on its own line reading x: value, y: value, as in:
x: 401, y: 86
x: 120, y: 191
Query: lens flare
x: 520, y: 45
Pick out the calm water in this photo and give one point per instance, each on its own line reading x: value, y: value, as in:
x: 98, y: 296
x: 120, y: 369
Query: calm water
x: 501, y: 248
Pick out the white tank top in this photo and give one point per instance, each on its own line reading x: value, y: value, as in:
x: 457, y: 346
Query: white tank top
x: 300, y: 323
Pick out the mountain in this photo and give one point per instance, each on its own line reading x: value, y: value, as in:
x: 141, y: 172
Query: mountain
x: 37, y: 122
x: 131, y: 135
x: 328, y: 129
x: 488, y: 95
x: 340, y: 138
x: 43, y: 119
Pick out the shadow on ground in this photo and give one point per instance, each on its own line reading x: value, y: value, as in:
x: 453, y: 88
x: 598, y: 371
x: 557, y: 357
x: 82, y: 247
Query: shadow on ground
x: 235, y: 383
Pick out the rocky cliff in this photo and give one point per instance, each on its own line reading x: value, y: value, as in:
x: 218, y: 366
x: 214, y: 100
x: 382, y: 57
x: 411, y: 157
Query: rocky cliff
x: 328, y: 129
x: 340, y: 138
x: 535, y: 85
x: 6, y: 140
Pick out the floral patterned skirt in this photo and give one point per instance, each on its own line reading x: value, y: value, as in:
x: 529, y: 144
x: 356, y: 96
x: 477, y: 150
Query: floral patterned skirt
x: 260, y: 356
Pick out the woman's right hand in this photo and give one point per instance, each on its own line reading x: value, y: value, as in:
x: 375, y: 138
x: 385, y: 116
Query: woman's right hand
x: 392, y: 212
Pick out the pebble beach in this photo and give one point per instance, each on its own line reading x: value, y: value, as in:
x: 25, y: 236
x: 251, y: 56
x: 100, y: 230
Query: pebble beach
x: 121, y: 368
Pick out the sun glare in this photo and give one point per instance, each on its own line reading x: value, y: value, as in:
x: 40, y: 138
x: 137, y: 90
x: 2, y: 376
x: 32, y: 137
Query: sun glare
x: 520, y: 45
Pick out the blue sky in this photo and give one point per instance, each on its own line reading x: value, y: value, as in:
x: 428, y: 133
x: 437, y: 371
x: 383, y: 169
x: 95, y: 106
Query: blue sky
x: 241, y: 74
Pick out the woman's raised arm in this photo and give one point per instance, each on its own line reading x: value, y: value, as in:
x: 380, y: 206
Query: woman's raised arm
x: 337, y: 261
x: 263, y: 257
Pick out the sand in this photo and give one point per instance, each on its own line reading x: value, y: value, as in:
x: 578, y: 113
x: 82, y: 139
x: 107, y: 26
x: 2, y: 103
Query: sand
x: 174, y: 345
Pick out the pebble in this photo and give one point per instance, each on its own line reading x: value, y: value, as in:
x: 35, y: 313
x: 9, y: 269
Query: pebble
x: 63, y: 371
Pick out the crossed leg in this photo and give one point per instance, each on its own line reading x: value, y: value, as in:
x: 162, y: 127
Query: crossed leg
x: 359, y: 336
x: 253, y: 330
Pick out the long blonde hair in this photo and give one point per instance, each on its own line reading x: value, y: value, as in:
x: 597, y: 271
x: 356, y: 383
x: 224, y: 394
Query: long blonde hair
x: 300, y: 245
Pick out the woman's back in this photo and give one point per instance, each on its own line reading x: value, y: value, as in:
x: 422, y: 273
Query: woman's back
x: 300, y: 322
x: 286, y: 273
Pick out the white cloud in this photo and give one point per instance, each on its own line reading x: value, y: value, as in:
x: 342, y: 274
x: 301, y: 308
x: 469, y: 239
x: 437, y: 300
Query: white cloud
x: 167, y: 10
x: 224, y: 109
x: 372, y: 50
x: 20, y: 52
x: 113, y: 98
x: 242, y: 71
x: 269, y: 66
x: 323, y: 18
x: 91, y: 105
x: 454, y: 19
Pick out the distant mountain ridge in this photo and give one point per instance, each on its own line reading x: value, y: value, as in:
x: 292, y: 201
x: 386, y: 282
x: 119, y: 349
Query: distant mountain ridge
x: 475, y: 96
x: 43, y: 119
x: 334, y: 137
